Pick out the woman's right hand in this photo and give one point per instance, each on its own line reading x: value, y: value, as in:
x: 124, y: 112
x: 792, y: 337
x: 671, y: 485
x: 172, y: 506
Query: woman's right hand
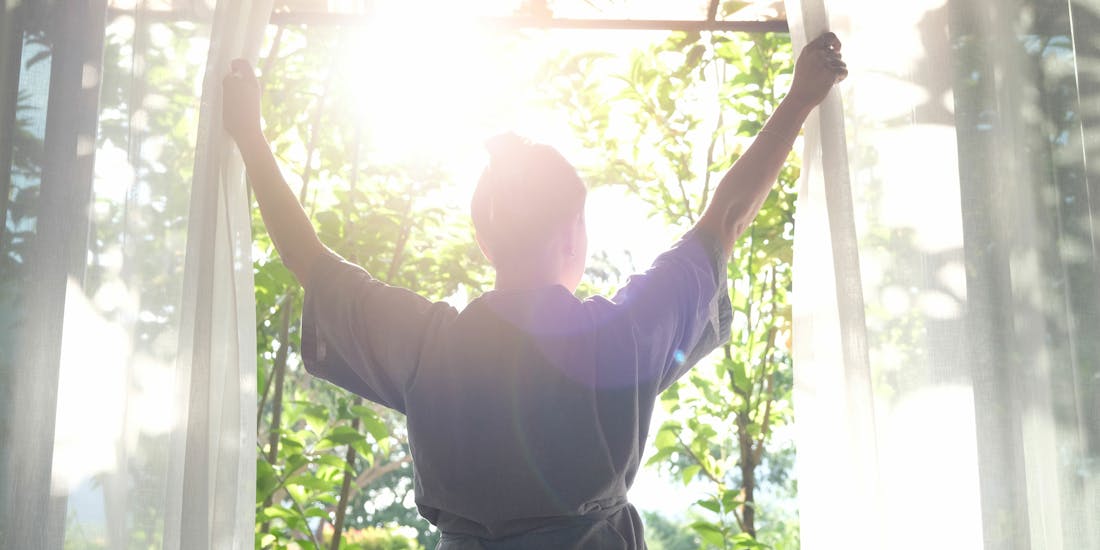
x: 818, y: 68
x: 241, y: 102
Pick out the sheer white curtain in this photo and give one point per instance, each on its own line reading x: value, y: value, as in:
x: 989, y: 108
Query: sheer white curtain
x: 129, y: 369
x: 947, y: 307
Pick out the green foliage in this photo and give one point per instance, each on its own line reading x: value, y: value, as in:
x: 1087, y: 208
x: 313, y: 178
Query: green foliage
x: 387, y: 218
x: 657, y: 144
x: 664, y: 534
x: 375, y: 538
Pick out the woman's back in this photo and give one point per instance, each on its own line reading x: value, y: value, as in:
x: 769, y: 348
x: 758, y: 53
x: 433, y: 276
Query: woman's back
x: 528, y: 411
x: 505, y: 418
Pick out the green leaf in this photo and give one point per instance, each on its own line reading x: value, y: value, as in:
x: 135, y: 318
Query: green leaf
x: 266, y: 479
x: 316, y: 417
x: 293, y: 461
x: 371, y: 422
x: 742, y: 541
x: 317, y: 513
x: 694, y: 55
x: 310, y: 482
x: 272, y: 512
x: 666, y: 437
x: 332, y: 461
x: 660, y: 456
x: 690, y: 472
x: 710, y: 504
x: 731, y: 499
x: 295, y: 439
x: 361, y: 447
x: 709, y: 532
x: 267, y: 540
x: 340, y: 435
x: 740, y: 377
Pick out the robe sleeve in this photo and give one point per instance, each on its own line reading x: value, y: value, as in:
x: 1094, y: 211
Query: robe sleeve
x: 680, y: 307
x: 363, y: 335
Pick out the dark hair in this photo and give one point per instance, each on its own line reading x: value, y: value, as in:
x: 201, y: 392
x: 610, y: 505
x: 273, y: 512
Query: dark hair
x: 527, y: 190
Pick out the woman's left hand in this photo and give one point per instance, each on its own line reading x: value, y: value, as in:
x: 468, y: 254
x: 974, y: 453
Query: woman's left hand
x: 241, y: 102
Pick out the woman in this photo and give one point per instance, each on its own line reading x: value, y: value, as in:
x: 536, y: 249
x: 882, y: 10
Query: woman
x: 528, y: 410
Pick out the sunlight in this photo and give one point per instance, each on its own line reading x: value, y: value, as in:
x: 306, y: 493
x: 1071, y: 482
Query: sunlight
x: 424, y: 83
x: 931, y: 418
x: 91, y: 394
x: 434, y: 88
x: 431, y: 90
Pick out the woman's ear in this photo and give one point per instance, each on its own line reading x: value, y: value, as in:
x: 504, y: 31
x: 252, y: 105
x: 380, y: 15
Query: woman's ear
x: 572, y: 234
x: 484, y: 249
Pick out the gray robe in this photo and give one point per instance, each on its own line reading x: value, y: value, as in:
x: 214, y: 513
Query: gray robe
x: 528, y: 410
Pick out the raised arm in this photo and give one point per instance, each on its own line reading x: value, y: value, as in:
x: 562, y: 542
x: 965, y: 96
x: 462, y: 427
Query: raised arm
x: 286, y: 222
x: 743, y: 189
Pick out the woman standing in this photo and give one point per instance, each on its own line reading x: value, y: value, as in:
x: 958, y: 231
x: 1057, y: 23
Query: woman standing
x: 527, y: 411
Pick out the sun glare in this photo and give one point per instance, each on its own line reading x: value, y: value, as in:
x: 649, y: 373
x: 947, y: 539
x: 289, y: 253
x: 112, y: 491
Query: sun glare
x: 428, y: 86
x: 433, y: 88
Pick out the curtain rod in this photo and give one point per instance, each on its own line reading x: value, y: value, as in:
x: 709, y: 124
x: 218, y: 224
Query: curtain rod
x: 504, y: 22
x: 522, y: 22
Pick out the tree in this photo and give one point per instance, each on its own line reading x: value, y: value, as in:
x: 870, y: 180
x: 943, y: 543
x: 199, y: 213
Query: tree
x: 331, y: 463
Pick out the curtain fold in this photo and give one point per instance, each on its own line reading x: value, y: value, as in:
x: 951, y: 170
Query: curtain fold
x: 218, y: 316
x: 832, y: 393
x: 968, y: 128
x: 48, y: 46
x: 129, y: 389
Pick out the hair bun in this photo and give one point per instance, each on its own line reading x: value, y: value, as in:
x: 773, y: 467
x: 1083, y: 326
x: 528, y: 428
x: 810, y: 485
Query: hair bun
x: 506, y: 146
x: 526, y: 192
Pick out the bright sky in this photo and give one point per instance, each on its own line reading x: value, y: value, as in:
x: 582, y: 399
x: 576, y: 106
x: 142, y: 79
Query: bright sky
x: 447, y: 98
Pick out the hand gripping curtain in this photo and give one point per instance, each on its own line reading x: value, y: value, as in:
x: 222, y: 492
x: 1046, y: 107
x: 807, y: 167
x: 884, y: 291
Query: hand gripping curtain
x: 127, y: 383
x: 947, y: 278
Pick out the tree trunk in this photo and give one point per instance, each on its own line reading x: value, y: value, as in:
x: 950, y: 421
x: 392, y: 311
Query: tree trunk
x: 277, y: 400
x: 345, y: 487
x: 748, y: 474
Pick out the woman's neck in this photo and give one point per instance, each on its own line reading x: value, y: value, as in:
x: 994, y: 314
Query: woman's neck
x: 522, y: 280
x: 535, y: 271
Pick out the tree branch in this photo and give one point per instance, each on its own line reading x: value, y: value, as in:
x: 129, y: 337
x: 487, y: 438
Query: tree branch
x: 769, y: 341
x: 345, y: 486
x: 370, y: 475
x: 702, y: 467
x: 283, y: 335
x: 710, y: 149
x: 769, y: 390
x: 683, y: 195
x: 302, y: 514
x: 277, y: 406
x: 765, y: 425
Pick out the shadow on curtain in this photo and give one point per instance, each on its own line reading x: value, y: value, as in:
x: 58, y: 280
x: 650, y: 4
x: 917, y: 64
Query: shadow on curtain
x: 971, y: 136
x: 127, y: 381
